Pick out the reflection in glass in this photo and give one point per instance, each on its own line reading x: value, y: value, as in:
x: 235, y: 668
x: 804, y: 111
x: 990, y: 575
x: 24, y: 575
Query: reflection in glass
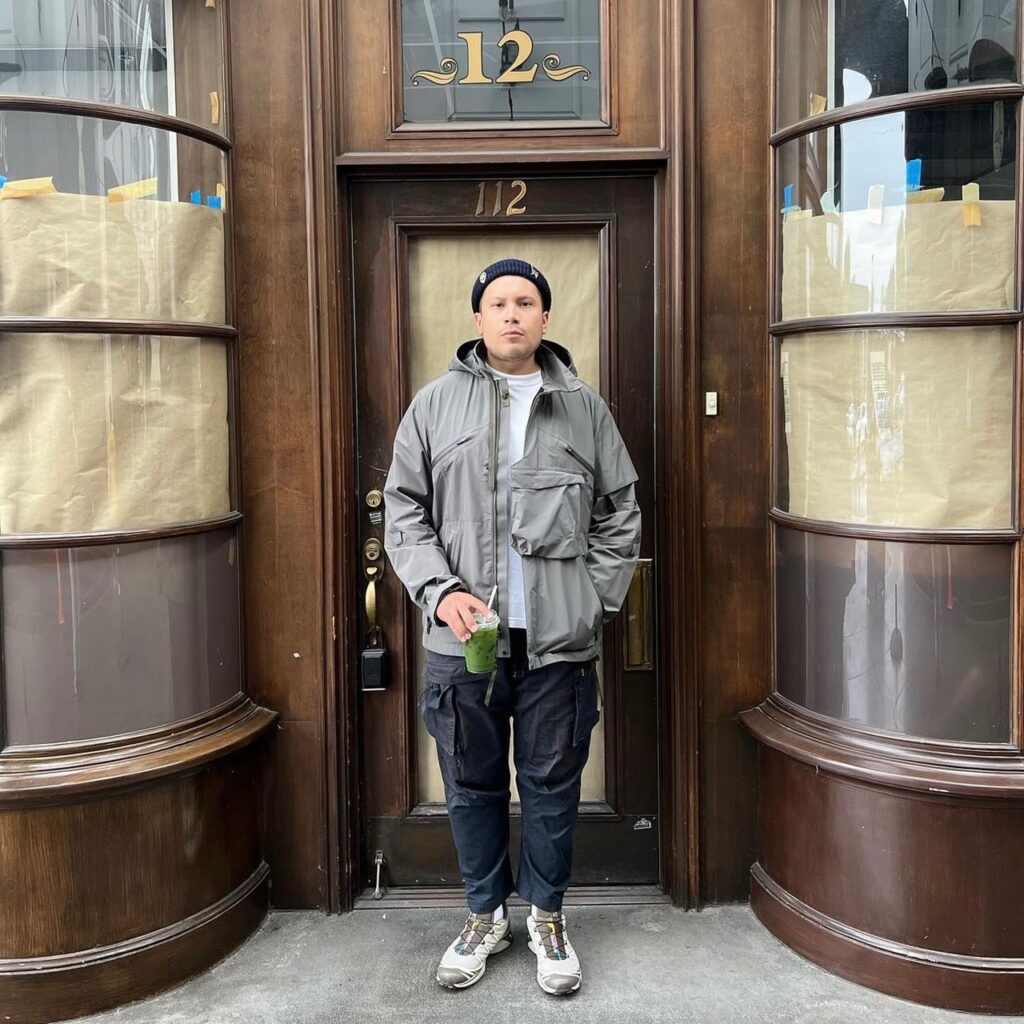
x: 834, y: 54
x: 909, y: 428
x: 908, y: 638
x: 108, y: 432
x: 455, y: 70
x: 881, y: 214
x: 99, y: 641
x: 149, y: 54
x: 79, y: 252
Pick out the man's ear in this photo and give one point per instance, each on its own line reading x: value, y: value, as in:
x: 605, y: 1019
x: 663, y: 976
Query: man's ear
x: 479, y: 321
x: 544, y: 321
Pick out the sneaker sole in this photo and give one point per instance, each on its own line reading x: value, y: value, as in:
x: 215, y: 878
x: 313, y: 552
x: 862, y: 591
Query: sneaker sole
x: 499, y: 948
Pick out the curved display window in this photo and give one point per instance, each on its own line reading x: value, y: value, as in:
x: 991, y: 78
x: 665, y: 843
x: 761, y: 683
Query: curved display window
x: 100, y: 641
x: 908, y: 638
x: 905, y: 428
x: 106, y: 219
x: 905, y: 212
x: 111, y: 432
x: 155, y: 55
x: 834, y: 55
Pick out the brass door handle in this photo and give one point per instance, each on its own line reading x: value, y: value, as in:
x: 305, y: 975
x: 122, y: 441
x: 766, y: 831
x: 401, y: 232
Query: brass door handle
x: 639, y: 618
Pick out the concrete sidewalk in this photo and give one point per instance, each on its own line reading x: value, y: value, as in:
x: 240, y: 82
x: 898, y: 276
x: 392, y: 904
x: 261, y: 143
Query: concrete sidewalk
x: 640, y: 963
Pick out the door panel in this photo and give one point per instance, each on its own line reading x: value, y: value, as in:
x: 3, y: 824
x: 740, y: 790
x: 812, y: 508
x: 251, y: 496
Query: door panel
x: 417, y: 247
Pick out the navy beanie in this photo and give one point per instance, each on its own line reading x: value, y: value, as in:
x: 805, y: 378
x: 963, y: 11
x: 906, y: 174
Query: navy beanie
x: 511, y: 268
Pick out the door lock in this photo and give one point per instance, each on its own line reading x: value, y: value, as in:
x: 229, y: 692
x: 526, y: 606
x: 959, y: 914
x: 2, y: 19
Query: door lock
x: 372, y: 550
x: 374, y: 498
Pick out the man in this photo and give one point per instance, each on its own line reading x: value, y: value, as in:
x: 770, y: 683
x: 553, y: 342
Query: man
x: 509, y: 473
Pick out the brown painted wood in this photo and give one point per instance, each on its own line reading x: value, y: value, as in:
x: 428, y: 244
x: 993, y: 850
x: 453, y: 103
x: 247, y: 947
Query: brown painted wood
x: 285, y: 592
x: 734, y: 566
x: 893, y: 533
x: 620, y: 210
x: 61, y: 540
x: 920, y: 904
x: 56, y: 773
x: 168, y: 328
x: 113, y: 112
x: 979, y: 93
x: 905, y: 321
x: 369, y: 123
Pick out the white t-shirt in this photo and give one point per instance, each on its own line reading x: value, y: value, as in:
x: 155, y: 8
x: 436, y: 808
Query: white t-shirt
x: 521, y: 390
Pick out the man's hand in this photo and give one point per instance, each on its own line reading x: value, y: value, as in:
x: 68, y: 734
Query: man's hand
x: 456, y: 610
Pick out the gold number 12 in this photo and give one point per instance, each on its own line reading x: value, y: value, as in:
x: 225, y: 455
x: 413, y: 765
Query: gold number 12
x: 475, y: 65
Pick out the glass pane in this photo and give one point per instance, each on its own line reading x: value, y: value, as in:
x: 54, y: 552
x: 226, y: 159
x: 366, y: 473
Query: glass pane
x: 100, y: 641
x: 149, y: 54
x: 908, y: 638
x: 472, y: 61
x: 857, y: 238
x: 910, y: 428
x: 68, y: 248
x: 834, y: 54
x: 109, y: 432
x: 441, y: 273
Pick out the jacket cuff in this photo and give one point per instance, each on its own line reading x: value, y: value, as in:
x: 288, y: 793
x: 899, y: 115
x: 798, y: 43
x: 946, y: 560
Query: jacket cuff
x: 440, y: 592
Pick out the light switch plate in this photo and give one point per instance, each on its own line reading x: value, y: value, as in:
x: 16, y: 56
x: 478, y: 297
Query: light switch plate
x: 710, y: 403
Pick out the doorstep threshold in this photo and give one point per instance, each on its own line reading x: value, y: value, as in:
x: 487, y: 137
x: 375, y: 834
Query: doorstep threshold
x: 443, y: 897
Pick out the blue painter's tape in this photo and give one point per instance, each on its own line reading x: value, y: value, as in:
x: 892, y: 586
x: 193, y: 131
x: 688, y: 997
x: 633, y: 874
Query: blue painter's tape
x: 3, y: 180
x: 214, y: 202
x: 913, y: 175
x: 787, y: 197
x: 196, y: 197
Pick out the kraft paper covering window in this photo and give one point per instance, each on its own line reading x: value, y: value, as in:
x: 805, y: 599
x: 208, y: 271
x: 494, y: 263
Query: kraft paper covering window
x: 898, y: 428
x: 441, y: 274
x: 919, y: 258
x: 74, y: 256
x: 909, y: 638
x: 111, y: 432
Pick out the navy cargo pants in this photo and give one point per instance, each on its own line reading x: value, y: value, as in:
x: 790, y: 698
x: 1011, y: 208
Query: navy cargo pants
x: 554, y: 709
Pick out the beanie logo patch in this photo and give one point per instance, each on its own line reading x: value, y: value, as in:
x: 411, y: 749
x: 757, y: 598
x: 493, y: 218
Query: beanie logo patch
x: 483, y: 277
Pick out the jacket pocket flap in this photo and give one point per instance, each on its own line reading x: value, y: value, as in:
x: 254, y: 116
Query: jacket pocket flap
x: 531, y: 479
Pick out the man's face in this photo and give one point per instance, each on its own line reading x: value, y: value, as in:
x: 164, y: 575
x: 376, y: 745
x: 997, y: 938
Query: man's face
x: 511, y: 321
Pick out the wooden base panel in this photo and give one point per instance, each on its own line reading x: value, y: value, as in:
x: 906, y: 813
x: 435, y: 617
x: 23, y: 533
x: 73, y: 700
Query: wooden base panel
x: 954, y: 982
x: 46, y: 989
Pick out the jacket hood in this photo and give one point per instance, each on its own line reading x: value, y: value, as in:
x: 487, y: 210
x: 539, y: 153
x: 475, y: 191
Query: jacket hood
x: 556, y: 363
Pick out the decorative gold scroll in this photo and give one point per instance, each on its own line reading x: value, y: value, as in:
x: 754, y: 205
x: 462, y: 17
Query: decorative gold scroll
x: 557, y: 73
x: 450, y: 68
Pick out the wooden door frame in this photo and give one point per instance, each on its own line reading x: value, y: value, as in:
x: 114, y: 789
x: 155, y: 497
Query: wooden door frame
x: 677, y: 430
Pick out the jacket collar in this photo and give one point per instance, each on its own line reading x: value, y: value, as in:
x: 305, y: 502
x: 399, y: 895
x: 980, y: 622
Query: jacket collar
x: 558, y: 371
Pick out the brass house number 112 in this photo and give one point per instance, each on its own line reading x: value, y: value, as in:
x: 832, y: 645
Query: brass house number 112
x: 515, y: 73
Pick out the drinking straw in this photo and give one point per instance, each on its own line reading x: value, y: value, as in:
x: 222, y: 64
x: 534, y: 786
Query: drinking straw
x: 490, y: 600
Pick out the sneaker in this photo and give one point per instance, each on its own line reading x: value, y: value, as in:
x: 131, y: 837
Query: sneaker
x: 465, y: 960
x: 558, y: 967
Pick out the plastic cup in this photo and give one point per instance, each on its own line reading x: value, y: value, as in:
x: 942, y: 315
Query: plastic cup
x: 481, y: 648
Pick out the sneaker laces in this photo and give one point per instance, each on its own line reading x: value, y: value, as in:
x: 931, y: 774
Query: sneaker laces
x: 477, y: 929
x: 551, y: 932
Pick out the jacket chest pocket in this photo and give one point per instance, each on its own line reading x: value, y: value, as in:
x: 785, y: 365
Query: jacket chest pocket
x: 547, y: 513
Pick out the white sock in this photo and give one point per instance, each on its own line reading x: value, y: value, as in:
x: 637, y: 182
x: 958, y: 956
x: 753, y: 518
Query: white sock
x: 537, y: 911
x: 499, y: 914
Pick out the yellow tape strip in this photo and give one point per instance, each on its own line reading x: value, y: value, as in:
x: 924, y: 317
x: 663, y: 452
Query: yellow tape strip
x: 215, y: 108
x: 222, y: 193
x: 27, y: 187
x: 133, y: 190
x: 972, y: 205
x: 211, y: 3
x: 818, y: 104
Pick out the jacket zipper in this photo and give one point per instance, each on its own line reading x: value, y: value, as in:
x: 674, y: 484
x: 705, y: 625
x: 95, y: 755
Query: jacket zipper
x: 494, y: 487
x: 579, y: 458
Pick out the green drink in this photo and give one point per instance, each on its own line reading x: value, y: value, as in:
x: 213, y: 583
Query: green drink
x: 482, y: 646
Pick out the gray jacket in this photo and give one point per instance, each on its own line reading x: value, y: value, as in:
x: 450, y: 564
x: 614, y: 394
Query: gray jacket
x: 573, y: 515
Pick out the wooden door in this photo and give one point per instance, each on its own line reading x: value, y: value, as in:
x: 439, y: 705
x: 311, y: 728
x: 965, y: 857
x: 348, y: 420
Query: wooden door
x: 417, y: 245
